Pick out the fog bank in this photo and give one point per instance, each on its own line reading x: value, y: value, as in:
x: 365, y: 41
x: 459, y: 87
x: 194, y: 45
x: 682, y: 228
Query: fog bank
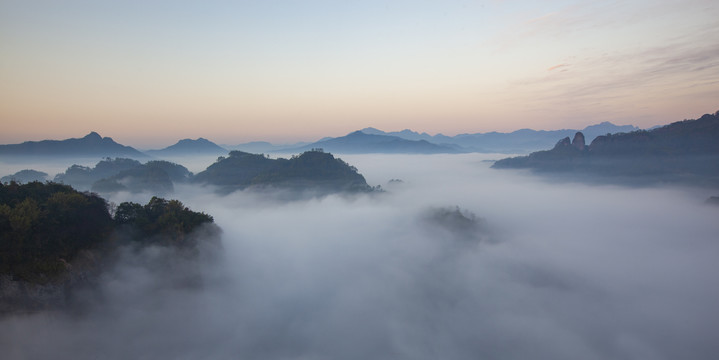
x: 546, y: 271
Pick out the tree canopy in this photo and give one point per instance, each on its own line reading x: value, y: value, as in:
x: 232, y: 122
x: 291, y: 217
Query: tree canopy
x: 44, y: 226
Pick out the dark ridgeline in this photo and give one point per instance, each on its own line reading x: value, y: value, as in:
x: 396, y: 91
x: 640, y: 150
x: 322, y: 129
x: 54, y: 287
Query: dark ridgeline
x: 682, y: 152
x: 92, y: 145
x: 312, y: 170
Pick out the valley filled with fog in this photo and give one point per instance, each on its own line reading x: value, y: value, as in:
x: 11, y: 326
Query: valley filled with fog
x: 454, y: 261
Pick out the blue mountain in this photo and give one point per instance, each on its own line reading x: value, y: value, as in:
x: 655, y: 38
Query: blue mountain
x: 92, y: 145
x: 359, y: 142
x: 199, y: 146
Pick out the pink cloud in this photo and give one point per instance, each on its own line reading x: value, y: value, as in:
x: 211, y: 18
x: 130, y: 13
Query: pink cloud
x: 557, y: 67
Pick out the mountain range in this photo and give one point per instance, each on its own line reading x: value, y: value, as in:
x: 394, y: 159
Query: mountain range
x: 91, y: 145
x: 520, y: 141
x: 367, y: 140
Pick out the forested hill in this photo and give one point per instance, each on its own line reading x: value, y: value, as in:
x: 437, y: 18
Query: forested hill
x: 44, y: 227
x: 682, y: 152
x: 315, y: 170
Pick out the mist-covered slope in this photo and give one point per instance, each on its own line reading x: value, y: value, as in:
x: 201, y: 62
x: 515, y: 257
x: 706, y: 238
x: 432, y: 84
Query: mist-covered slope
x: 120, y: 174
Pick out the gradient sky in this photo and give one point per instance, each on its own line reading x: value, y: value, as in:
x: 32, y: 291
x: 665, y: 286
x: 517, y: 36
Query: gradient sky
x: 148, y: 73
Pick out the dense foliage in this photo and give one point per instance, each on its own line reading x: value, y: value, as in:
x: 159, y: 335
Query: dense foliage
x: 161, y: 221
x: 44, y: 226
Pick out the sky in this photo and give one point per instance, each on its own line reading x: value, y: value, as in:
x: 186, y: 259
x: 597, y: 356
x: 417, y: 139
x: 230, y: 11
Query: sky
x: 148, y: 73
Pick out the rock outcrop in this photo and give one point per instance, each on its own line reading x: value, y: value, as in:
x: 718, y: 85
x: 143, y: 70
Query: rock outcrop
x: 578, y: 141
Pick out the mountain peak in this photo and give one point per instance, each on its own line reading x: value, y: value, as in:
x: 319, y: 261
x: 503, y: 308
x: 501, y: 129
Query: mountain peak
x: 93, y: 136
x: 372, y: 131
x: 190, y: 146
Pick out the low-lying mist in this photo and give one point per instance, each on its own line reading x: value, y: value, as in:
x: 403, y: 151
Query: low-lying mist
x: 456, y: 261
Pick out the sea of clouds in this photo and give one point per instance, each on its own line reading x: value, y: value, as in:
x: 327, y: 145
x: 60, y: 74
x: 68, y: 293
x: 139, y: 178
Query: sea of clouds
x: 550, y: 270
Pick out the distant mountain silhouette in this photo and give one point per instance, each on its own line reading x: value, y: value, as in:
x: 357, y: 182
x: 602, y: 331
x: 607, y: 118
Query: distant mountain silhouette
x: 120, y: 174
x: 82, y: 177
x: 25, y: 176
x: 359, y: 142
x: 520, y: 141
x: 199, y: 146
x: 682, y: 152
x: 312, y: 170
x: 92, y: 145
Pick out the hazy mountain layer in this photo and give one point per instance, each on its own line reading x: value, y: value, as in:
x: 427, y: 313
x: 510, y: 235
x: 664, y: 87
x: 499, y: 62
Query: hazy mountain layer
x: 685, y: 152
x: 359, y: 142
x: 520, y: 141
x: 24, y: 176
x: 92, y: 145
x: 199, y: 146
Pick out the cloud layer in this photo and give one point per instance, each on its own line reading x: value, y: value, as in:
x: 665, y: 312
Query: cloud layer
x: 555, y: 271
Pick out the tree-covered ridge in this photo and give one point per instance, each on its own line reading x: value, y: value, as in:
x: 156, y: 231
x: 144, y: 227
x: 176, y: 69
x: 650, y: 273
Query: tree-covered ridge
x: 684, y: 152
x: 237, y: 169
x: 312, y: 169
x: 44, y: 226
x: 161, y: 221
